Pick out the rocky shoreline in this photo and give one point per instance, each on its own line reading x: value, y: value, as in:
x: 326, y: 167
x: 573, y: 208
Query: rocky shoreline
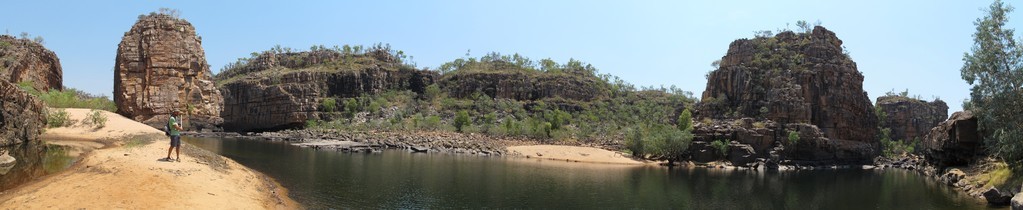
x: 967, y: 179
x: 370, y: 141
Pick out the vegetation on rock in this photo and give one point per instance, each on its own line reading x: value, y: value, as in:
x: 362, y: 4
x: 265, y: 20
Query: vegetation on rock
x: 992, y: 67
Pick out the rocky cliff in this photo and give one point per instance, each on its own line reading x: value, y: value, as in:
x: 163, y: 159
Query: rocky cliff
x: 22, y: 116
x: 276, y: 91
x: 795, y: 79
x: 910, y: 118
x: 955, y: 141
x: 160, y: 67
x: 23, y: 60
x: 524, y: 85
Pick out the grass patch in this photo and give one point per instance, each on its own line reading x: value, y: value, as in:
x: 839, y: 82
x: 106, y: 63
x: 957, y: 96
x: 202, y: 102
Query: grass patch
x: 997, y: 176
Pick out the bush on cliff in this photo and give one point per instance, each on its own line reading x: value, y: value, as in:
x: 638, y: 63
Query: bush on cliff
x: 993, y: 67
x: 461, y: 120
x: 69, y: 98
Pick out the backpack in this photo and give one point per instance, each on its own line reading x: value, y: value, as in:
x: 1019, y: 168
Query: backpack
x: 166, y: 128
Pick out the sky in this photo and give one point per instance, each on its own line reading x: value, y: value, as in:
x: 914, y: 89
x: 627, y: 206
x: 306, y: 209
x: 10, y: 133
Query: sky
x: 914, y: 45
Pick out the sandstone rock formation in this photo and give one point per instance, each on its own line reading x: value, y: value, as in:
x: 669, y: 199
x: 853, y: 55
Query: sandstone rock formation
x: 23, y: 60
x: 283, y: 90
x: 954, y: 141
x: 803, y: 82
x: 160, y: 67
x: 22, y: 116
x: 910, y: 118
x: 521, y: 85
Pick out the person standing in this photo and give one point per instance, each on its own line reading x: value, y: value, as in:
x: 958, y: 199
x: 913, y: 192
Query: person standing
x: 174, y: 128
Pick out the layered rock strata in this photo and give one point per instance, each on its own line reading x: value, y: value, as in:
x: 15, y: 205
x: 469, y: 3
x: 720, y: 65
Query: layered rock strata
x: 269, y: 95
x: 955, y: 141
x: 521, y: 85
x: 160, y: 67
x: 909, y: 118
x: 802, y: 82
x: 22, y: 116
x: 23, y: 60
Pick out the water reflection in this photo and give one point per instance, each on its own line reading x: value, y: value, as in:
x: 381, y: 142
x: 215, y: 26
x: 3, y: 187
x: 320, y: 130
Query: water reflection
x: 395, y: 179
x: 33, y: 160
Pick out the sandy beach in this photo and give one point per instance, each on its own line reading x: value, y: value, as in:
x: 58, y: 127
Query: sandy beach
x: 121, y: 169
x: 573, y: 154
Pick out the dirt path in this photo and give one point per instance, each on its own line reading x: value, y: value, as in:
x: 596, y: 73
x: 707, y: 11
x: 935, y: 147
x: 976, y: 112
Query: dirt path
x: 127, y: 174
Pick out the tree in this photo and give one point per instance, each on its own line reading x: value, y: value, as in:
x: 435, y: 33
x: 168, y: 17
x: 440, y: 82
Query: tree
x: 993, y: 67
x: 685, y: 121
x: 461, y: 120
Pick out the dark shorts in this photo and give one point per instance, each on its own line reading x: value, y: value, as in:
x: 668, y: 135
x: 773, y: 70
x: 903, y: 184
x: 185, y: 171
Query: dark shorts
x: 175, y: 141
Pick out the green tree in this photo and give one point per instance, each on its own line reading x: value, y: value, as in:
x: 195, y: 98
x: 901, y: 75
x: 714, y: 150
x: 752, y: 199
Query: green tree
x: 461, y: 120
x: 328, y: 105
x: 685, y: 121
x: 793, y: 137
x: 993, y: 67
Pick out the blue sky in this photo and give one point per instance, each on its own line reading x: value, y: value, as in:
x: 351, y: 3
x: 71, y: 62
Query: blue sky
x: 914, y: 45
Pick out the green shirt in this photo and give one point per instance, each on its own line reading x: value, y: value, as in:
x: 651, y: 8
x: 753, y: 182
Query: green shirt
x: 173, y: 128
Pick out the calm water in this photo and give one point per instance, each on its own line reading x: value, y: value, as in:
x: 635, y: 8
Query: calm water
x: 397, y: 179
x: 34, y: 160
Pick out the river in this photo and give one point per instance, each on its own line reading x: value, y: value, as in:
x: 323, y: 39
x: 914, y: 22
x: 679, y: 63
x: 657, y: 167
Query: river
x: 401, y: 180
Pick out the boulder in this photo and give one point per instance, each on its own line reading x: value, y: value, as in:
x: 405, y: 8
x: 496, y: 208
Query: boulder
x: 160, y: 67
x: 22, y: 116
x: 23, y: 60
x: 997, y: 198
x: 741, y: 154
x: 703, y: 153
x: 952, y: 176
x: 908, y: 118
x: 1017, y: 202
x: 7, y: 162
x: 955, y: 141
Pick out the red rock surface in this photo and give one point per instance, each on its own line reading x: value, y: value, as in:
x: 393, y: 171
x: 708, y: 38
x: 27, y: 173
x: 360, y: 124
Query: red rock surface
x: 25, y: 60
x: 160, y: 67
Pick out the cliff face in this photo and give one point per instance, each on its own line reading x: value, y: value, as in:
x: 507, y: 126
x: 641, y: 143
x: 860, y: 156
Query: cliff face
x: 791, y: 82
x: 269, y: 95
x: 521, y: 85
x: 24, y: 60
x: 793, y: 78
x: 954, y: 141
x: 160, y: 67
x: 22, y: 116
x: 910, y: 118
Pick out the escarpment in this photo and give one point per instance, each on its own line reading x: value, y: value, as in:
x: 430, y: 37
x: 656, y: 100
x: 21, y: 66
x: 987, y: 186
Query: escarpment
x: 791, y: 82
x: 280, y: 90
x: 25, y: 61
x: 161, y: 67
x: 22, y: 116
x: 910, y: 119
x: 524, y: 85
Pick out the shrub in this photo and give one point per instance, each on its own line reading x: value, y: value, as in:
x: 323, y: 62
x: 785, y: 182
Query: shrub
x: 328, y: 105
x: 793, y: 137
x: 707, y: 121
x: 634, y: 141
x: 461, y: 120
x: 57, y: 118
x: 685, y: 120
x: 96, y: 118
x: 432, y: 123
x: 721, y: 146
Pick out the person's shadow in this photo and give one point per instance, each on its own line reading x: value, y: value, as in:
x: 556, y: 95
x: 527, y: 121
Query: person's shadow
x: 165, y: 160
